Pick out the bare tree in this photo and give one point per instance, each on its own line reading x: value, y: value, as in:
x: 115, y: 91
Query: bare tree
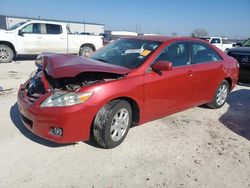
x: 200, y: 32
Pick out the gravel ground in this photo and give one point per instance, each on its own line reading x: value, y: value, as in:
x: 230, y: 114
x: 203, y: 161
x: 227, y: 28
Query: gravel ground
x: 198, y: 147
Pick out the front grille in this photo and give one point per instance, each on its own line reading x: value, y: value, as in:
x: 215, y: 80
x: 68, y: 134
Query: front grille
x: 27, y: 121
x: 33, y: 98
x: 33, y: 89
x: 35, y: 86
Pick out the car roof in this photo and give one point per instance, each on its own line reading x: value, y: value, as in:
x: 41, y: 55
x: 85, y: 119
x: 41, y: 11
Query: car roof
x: 45, y: 22
x: 159, y: 38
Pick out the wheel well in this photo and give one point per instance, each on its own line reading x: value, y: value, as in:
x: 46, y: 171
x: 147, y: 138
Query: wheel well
x: 229, y: 80
x: 10, y: 45
x: 135, y: 109
x: 89, y: 45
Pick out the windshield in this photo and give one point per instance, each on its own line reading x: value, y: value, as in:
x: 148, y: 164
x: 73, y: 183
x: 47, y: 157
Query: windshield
x: 246, y: 43
x: 16, y: 26
x: 129, y: 53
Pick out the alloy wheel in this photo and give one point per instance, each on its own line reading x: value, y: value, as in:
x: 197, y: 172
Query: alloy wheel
x: 119, y: 124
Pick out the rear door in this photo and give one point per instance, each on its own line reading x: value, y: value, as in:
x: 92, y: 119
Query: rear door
x: 208, y: 70
x: 55, y: 38
x: 171, y: 90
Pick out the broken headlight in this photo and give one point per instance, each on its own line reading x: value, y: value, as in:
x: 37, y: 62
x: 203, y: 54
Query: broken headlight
x: 65, y: 99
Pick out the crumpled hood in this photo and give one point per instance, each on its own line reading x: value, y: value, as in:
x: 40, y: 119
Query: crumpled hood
x: 64, y: 65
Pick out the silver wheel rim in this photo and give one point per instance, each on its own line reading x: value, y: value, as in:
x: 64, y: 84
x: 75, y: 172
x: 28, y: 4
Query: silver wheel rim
x: 4, y: 53
x: 221, y: 94
x: 86, y: 52
x: 119, y: 124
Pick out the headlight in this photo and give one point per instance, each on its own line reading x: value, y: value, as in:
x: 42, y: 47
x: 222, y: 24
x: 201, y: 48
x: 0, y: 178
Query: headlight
x: 66, y: 99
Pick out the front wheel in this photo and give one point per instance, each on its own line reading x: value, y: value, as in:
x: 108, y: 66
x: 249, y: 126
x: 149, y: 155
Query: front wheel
x: 86, y: 51
x: 6, y: 54
x: 112, y: 123
x: 220, y: 96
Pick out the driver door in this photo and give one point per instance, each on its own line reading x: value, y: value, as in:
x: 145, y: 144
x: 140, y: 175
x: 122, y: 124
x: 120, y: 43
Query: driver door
x: 31, y: 41
x: 172, y: 90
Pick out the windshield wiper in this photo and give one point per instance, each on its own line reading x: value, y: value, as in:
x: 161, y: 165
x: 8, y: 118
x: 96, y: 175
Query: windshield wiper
x: 102, y: 60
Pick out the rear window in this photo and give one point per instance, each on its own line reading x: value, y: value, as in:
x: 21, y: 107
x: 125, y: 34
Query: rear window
x: 215, y: 41
x: 203, y: 53
x: 53, y: 29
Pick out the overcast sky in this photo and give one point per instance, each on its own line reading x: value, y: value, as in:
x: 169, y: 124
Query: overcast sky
x: 229, y: 18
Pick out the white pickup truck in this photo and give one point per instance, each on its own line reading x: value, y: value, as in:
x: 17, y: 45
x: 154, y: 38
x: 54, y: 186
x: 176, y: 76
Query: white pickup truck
x: 221, y: 43
x: 35, y: 37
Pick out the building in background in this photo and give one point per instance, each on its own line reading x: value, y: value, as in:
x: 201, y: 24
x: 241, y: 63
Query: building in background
x: 75, y: 27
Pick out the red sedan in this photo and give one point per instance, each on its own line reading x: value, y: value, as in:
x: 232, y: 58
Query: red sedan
x: 128, y: 82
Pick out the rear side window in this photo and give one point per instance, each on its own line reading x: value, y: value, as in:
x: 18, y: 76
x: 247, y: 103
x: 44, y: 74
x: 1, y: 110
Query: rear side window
x: 53, y: 29
x: 177, y: 53
x: 203, y: 53
x: 215, y: 41
x: 32, y: 28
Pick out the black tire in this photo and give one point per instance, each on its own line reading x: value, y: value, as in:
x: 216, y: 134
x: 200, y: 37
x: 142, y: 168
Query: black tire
x: 216, y: 103
x: 86, y: 51
x: 6, y: 54
x: 102, y: 132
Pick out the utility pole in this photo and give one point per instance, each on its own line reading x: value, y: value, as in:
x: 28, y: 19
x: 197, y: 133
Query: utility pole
x: 83, y: 20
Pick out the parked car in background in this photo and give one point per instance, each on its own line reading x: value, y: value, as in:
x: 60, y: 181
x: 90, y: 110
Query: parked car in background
x: 34, y: 37
x: 242, y: 54
x: 131, y: 81
x: 110, y: 36
x: 221, y: 43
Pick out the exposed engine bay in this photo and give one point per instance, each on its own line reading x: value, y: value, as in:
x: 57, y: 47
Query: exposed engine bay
x: 81, y: 80
x: 70, y: 73
x: 71, y: 84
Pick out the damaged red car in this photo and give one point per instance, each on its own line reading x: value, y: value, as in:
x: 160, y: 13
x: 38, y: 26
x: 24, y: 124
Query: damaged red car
x: 128, y: 82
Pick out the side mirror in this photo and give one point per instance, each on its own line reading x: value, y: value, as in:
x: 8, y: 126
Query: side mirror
x: 20, y: 33
x: 162, y: 66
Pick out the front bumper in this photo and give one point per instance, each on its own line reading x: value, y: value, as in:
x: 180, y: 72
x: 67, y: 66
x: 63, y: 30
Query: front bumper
x: 74, y: 120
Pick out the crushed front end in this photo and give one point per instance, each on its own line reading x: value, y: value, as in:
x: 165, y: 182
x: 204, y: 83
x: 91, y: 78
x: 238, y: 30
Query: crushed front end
x: 59, y: 109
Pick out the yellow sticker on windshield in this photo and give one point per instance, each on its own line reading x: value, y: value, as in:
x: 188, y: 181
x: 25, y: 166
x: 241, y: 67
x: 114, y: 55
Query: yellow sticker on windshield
x: 145, y: 52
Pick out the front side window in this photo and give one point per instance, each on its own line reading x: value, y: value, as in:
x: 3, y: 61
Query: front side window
x: 129, y: 53
x: 53, y: 29
x: 203, y: 53
x: 176, y: 53
x: 32, y: 28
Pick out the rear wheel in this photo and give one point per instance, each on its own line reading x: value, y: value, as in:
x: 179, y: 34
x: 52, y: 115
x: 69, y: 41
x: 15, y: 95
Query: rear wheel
x: 86, y: 51
x: 112, y: 123
x: 220, y: 96
x: 6, y: 54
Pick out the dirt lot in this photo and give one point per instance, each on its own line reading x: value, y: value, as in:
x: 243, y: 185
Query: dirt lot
x: 199, y: 147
